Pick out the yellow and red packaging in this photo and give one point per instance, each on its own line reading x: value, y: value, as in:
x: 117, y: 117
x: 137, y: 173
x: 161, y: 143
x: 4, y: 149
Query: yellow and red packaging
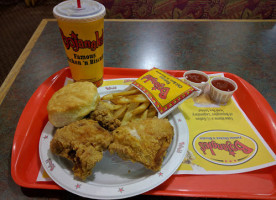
x: 164, y: 91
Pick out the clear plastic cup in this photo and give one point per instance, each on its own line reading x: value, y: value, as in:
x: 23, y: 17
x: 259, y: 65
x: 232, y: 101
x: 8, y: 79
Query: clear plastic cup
x: 222, y: 89
x: 82, y: 32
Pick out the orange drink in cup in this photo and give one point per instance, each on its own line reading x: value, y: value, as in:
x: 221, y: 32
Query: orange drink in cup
x: 81, y: 24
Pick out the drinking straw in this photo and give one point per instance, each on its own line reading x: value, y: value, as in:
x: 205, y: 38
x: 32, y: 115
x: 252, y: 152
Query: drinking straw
x: 79, y: 3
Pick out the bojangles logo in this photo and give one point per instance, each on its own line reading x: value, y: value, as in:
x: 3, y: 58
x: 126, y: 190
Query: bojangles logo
x: 75, y: 43
x: 157, y: 86
x: 227, y: 146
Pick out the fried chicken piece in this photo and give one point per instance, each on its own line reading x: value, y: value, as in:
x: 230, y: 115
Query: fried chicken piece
x: 82, y: 142
x: 104, y: 116
x: 145, y: 141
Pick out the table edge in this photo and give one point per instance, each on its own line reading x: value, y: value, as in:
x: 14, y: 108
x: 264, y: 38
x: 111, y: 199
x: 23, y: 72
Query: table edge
x: 25, y: 53
x: 21, y: 60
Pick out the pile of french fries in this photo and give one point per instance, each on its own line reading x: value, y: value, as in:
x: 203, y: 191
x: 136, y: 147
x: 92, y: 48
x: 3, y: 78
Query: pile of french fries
x: 129, y: 105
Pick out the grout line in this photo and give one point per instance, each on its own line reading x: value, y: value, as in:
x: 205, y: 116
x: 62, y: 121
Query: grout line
x: 20, y: 61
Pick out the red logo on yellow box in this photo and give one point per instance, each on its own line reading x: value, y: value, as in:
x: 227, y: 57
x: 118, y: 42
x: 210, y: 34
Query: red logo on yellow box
x: 225, y: 147
x: 165, y: 91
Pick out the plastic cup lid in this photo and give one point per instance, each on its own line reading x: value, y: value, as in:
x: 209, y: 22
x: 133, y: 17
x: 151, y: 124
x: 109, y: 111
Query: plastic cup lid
x: 70, y: 10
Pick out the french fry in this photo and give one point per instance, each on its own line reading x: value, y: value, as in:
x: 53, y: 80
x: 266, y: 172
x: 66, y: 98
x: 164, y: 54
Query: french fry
x: 145, y: 114
x: 111, y: 106
x: 129, y: 105
x: 107, y: 97
x: 152, y: 112
x: 119, y: 114
x: 141, y: 108
x: 120, y: 100
x: 138, y: 98
x: 124, y: 93
x: 129, y: 115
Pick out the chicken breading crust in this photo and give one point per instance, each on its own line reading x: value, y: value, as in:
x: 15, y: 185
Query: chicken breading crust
x: 104, y: 116
x: 82, y: 142
x: 145, y: 141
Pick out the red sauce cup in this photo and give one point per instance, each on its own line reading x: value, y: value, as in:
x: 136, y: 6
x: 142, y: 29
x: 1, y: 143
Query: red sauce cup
x: 222, y: 89
x: 196, y: 78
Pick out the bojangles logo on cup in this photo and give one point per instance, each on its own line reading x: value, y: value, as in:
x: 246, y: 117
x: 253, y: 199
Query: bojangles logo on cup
x: 225, y: 147
x: 75, y: 43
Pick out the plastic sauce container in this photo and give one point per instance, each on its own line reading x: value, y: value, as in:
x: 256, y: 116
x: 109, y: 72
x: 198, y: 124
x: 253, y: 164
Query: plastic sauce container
x: 222, y: 89
x: 196, y: 78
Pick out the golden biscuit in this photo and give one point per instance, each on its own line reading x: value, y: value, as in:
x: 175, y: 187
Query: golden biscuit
x: 72, y: 103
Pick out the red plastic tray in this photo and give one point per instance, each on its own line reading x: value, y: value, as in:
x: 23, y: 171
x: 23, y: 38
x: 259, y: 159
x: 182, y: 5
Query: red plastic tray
x: 259, y: 184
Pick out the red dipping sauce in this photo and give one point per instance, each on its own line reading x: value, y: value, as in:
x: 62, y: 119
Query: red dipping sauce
x: 196, y: 78
x: 223, y: 85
